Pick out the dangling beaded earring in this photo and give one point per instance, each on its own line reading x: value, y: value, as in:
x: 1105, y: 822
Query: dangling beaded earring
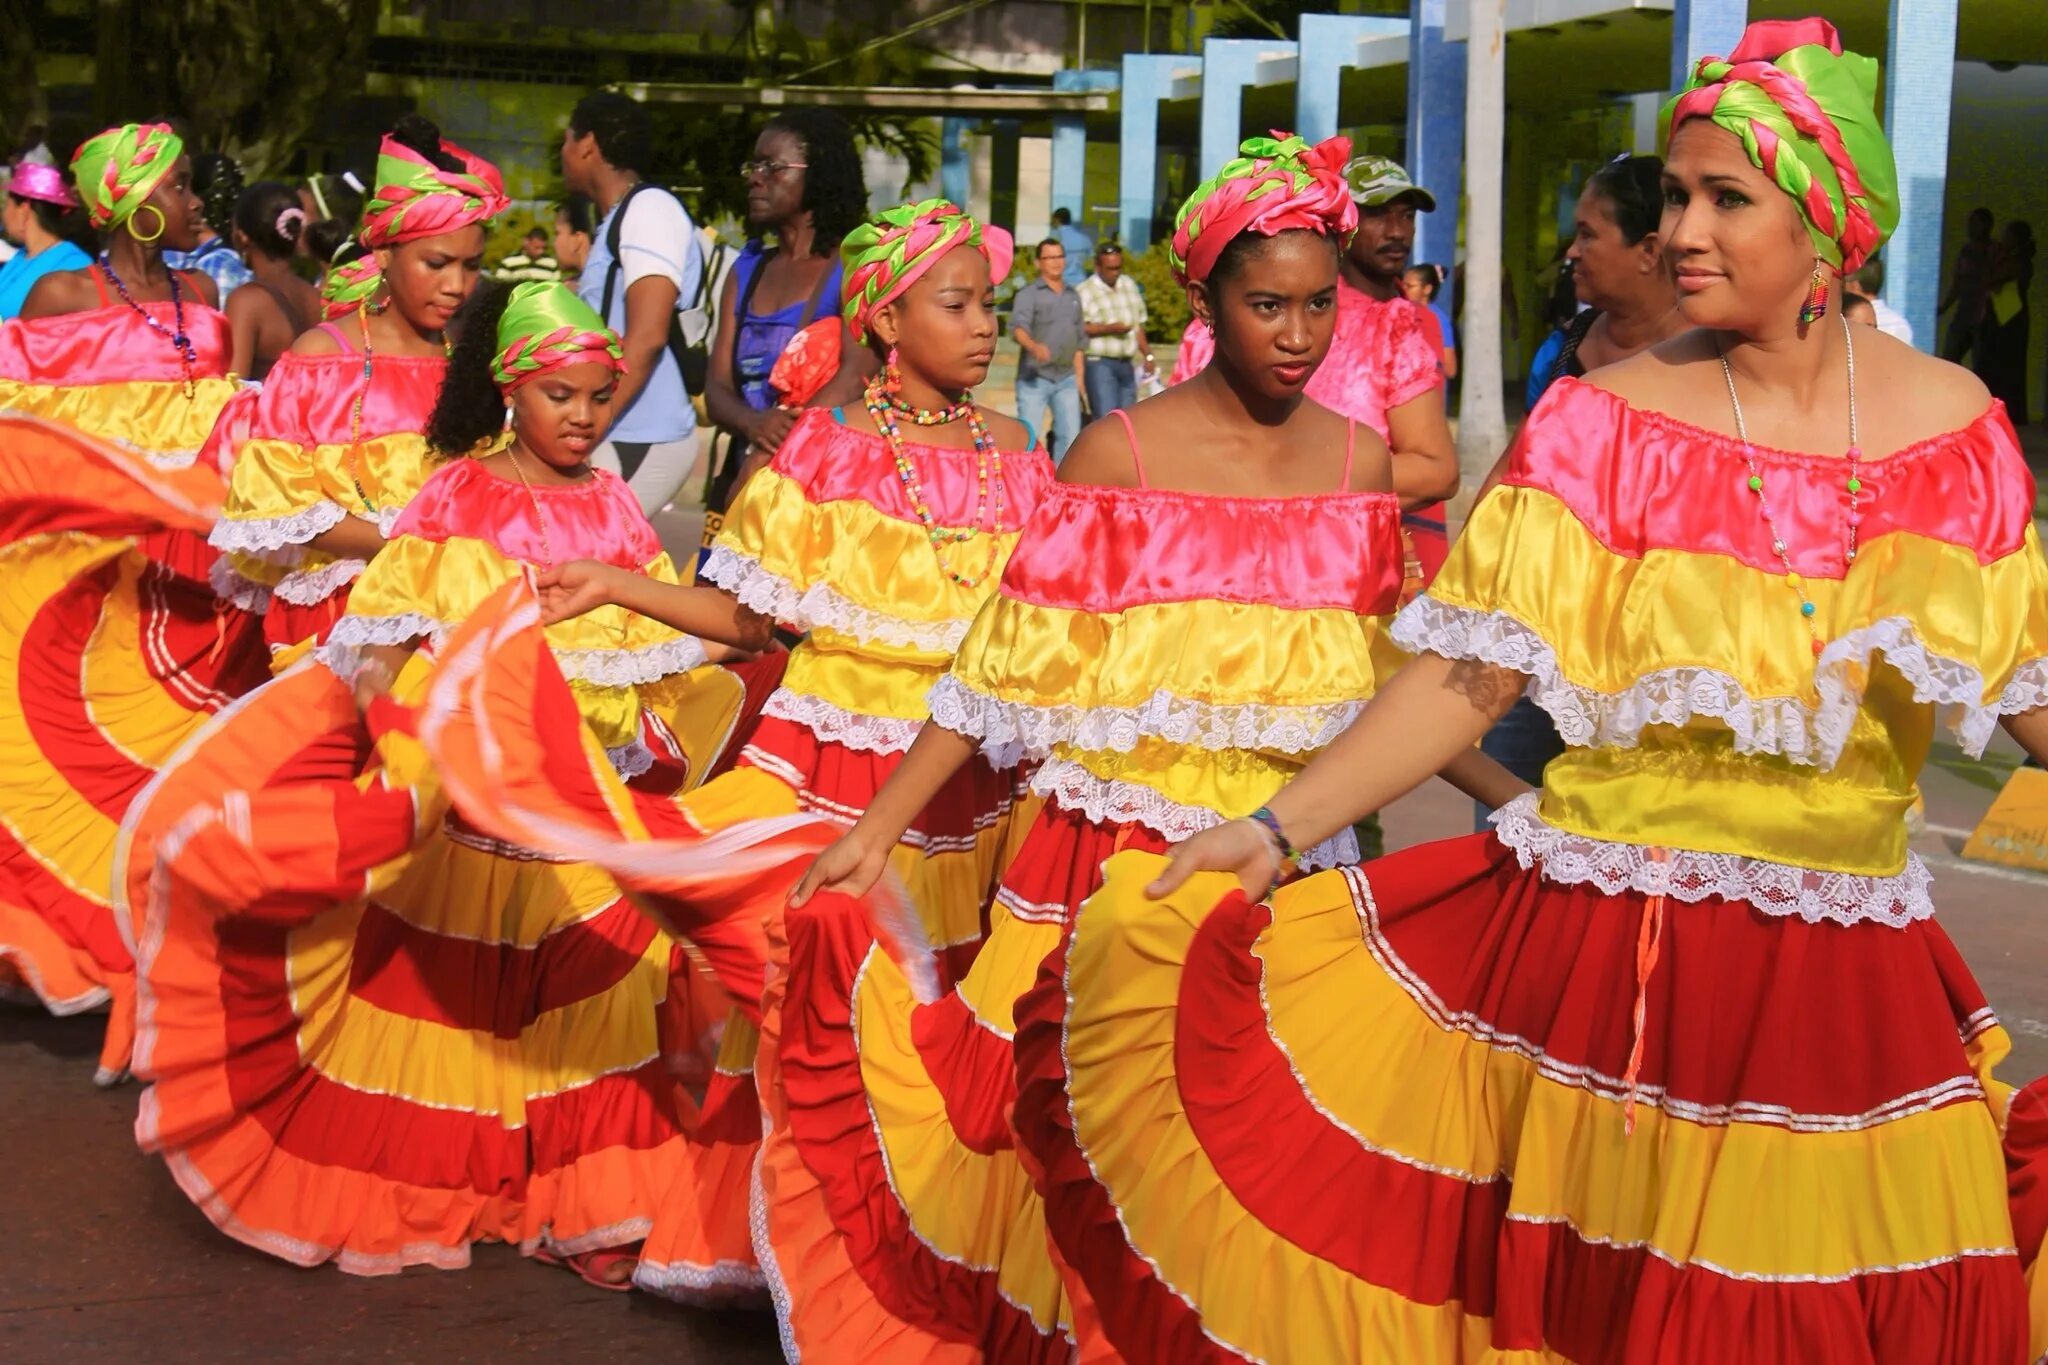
x: 1816, y: 306
x: 892, y: 378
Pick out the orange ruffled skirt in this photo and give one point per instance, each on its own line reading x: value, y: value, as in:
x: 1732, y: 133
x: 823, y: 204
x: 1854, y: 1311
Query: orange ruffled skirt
x: 1384, y: 1117
x: 375, y: 1035
x: 113, y: 651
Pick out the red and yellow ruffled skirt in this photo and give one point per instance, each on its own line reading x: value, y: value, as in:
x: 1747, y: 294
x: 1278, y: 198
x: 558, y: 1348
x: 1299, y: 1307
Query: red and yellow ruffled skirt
x: 703, y: 1248
x: 113, y: 651
x: 374, y: 1035
x: 1385, y: 1117
x: 902, y: 1218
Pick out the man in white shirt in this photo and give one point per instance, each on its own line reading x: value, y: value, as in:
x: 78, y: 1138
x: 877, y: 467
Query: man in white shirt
x: 1113, y: 321
x: 1865, y: 284
x: 655, y: 271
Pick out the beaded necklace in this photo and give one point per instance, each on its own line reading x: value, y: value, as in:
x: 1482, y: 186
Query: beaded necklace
x: 547, y: 547
x: 1853, y: 485
x: 355, y: 410
x: 930, y: 417
x: 188, y: 354
x: 988, y: 475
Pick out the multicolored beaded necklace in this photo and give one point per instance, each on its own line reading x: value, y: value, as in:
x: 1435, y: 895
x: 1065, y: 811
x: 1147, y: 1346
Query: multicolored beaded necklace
x: 932, y: 417
x: 188, y: 354
x: 1853, y: 485
x: 355, y: 409
x: 988, y: 475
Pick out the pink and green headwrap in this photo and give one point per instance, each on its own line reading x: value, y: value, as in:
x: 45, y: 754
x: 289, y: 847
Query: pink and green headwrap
x: 119, y: 169
x: 414, y: 198
x: 885, y: 255
x: 544, y: 328
x: 349, y: 286
x: 1277, y: 184
x: 1804, y: 110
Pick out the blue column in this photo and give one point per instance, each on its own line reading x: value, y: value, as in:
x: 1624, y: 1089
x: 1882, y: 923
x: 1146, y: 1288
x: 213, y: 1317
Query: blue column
x: 955, y: 182
x: 1436, y: 130
x: 1228, y: 66
x: 1070, y: 141
x: 1704, y: 28
x: 1146, y: 79
x: 1919, y: 71
x: 1329, y: 44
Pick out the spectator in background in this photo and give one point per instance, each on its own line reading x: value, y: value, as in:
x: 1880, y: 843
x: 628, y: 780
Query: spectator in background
x: 1862, y: 287
x: 1967, y: 287
x: 1421, y: 285
x: 606, y: 152
x: 806, y: 190
x: 42, y: 216
x: 334, y: 206
x: 1045, y: 318
x: 2001, y: 360
x: 217, y: 180
x: 268, y: 318
x: 574, y: 226
x: 531, y: 264
x: 1076, y: 242
x: 1113, y: 321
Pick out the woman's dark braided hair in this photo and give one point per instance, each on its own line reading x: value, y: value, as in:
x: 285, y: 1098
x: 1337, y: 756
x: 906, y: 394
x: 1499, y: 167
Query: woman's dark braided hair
x: 1633, y: 188
x: 471, y: 410
x: 835, y: 187
x: 217, y: 180
x: 423, y: 135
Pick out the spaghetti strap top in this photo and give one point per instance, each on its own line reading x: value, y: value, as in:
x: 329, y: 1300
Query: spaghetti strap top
x: 340, y: 337
x: 1343, y: 484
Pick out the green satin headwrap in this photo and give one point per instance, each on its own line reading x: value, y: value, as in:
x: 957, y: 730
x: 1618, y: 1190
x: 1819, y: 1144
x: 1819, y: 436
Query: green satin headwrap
x: 546, y: 327
x: 119, y: 169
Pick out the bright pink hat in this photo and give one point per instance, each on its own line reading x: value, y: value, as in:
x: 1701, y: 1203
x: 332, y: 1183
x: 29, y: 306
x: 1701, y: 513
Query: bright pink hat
x: 33, y: 180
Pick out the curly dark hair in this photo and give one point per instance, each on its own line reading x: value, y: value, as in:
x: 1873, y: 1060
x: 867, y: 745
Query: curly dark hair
x: 268, y: 214
x: 581, y: 214
x: 217, y: 180
x: 625, y: 134
x: 835, y: 186
x: 470, y: 410
x: 1634, y: 190
x: 423, y: 135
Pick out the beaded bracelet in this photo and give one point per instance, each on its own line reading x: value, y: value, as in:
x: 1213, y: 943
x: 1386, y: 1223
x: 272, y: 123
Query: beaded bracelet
x: 1264, y: 818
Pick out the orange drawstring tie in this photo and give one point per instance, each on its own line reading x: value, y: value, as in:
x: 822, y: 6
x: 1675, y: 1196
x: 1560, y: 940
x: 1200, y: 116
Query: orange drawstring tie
x: 220, y: 629
x: 1649, y: 934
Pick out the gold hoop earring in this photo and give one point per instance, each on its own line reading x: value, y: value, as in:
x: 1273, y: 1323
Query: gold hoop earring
x: 160, y: 225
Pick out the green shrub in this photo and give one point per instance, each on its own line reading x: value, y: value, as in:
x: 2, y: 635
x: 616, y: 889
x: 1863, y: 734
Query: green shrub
x: 1165, y: 300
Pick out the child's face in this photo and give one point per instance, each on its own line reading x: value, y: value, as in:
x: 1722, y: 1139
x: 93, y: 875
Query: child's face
x: 1415, y: 289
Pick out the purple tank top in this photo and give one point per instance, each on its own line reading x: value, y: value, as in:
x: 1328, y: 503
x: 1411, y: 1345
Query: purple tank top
x: 759, y: 338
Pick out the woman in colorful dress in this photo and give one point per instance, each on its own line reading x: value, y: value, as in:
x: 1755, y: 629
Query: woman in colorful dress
x: 1674, y: 1065
x: 43, y: 219
x: 336, y: 446
x: 881, y: 546
x: 112, y: 644
x: 1194, y: 611
x: 372, y: 1034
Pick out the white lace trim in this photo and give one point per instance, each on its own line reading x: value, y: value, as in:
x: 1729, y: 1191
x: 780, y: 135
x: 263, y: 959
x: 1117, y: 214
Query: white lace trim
x: 819, y: 605
x: 856, y: 730
x: 1115, y: 802
x: 1785, y: 726
x: 267, y: 535
x: 630, y: 760
x: 231, y: 587
x: 357, y: 632
x: 632, y: 667
x: 1774, y: 888
x: 309, y: 587
x: 1011, y: 732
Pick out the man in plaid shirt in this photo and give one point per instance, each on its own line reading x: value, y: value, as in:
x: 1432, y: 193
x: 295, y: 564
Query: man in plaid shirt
x: 1113, y: 321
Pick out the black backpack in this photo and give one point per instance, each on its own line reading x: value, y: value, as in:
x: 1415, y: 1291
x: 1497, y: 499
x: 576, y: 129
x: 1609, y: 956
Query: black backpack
x: 692, y: 326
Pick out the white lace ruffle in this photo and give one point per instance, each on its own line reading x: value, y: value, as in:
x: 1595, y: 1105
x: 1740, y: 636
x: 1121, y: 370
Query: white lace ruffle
x: 818, y: 605
x: 1785, y: 726
x: 231, y: 587
x: 268, y: 535
x: 630, y: 760
x: 1683, y: 875
x: 1011, y: 733
x: 837, y: 725
x: 631, y: 667
x: 1112, y: 801
x: 309, y: 587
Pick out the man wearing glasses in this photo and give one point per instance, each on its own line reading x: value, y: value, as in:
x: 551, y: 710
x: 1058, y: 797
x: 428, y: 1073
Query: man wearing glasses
x: 1045, y: 318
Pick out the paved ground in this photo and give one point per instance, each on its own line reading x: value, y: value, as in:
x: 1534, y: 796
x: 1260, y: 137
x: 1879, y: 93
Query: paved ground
x: 104, y: 1260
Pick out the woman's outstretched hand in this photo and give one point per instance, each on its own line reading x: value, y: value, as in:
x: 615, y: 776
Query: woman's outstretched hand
x: 851, y: 866
x: 1239, y: 847
x: 569, y: 590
